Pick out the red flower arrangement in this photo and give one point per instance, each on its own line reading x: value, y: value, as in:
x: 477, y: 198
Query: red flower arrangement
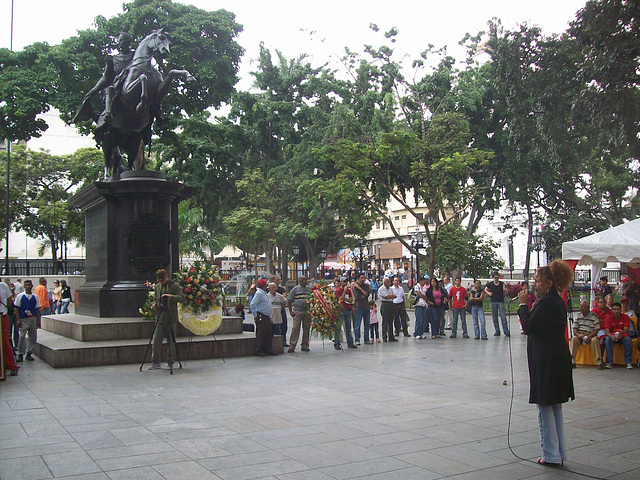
x: 200, y: 284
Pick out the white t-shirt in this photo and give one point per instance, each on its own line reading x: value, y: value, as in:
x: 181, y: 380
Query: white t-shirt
x: 421, y: 301
x: 5, y: 293
x: 399, y: 293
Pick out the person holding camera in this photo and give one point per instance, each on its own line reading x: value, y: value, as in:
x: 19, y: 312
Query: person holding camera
x: 167, y: 295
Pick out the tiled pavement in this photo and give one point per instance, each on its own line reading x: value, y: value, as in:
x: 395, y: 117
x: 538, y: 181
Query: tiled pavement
x: 416, y: 409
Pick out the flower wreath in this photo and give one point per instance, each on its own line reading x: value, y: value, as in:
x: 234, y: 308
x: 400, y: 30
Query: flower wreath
x: 324, y: 309
x: 200, y: 285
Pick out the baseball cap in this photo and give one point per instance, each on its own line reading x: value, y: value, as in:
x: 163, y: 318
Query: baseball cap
x: 624, y: 299
x: 262, y: 282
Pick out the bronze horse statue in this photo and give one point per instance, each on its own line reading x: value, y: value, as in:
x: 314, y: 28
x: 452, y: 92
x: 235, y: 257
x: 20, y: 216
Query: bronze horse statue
x: 125, y: 127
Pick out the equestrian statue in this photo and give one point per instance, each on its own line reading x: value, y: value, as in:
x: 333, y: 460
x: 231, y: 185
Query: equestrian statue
x: 132, y: 89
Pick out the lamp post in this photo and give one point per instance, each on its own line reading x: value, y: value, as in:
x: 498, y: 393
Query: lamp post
x: 323, y: 255
x: 418, y: 238
x: 296, y: 251
x: 361, y: 243
x: 63, y: 253
x: 8, y: 142
x: 510, y: 248
x: 379, y: 255
x: 537, y: 243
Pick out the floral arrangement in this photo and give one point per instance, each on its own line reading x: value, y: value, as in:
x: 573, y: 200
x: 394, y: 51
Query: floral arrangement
x: 146, y: 310
x: 324, y: 309
x: 200, y: 284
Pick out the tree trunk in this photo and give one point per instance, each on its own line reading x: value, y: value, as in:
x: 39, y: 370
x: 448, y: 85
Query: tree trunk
x: 529, y: 237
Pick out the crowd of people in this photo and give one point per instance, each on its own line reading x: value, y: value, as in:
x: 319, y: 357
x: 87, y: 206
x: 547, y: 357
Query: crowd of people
x: 21, y: 306
x: 439, y: 305
x: 608, y: 323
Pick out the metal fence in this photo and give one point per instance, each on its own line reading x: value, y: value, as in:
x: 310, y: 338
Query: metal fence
x: 31, y: 268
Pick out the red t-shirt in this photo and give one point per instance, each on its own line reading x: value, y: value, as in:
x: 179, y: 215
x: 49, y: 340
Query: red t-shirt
x: 602, y: 315
x: 459, y: 296
x: 614, y: 325
x: 348, y: 295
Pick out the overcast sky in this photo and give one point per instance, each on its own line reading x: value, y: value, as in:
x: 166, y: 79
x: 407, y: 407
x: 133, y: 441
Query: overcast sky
x: 285, y: 24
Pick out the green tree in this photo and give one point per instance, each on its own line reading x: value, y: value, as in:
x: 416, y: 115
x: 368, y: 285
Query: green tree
x: 46, y: 182
x: 25, y: 90
x: 458, y: 252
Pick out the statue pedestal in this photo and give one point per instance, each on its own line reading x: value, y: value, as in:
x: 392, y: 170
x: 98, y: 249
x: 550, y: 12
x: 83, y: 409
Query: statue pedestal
x: 131, y: 228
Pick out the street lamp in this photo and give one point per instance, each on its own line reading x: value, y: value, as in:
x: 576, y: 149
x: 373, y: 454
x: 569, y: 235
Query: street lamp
x: 416, y: 242
x: 296, y: 251
x: 537, y: 243
x: 63, y: 254
x: 361, y: 243
x: 510, y: 248
x: 379, y: 255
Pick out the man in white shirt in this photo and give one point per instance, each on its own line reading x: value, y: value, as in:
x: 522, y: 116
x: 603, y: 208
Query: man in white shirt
x: 399, y: 311
x: 386, y: 310
x: 6, y: 298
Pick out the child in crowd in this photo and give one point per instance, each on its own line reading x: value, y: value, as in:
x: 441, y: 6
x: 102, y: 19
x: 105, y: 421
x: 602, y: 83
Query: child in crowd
x: 373, y: 320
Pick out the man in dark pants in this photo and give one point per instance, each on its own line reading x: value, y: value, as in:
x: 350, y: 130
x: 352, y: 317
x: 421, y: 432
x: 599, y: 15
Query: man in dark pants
x: 261, y: 308
x: 167, y: 295
x: 387, y: 310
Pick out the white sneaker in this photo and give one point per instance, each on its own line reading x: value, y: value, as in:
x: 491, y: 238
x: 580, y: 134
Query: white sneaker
x: 629, y: 366
x: 154, y: 366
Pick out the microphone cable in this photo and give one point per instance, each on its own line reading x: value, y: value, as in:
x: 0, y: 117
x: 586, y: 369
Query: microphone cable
x: 560, y: 467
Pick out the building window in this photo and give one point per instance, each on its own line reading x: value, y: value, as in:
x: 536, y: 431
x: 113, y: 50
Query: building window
x: 419, y: 217
x: 404, y: 217
x: 397, y: 218
x: 378, y: 223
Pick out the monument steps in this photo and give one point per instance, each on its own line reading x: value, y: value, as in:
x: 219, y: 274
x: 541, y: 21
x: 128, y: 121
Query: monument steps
x: 78, y: 340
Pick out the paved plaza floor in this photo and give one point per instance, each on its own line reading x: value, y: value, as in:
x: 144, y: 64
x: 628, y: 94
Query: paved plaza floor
x: 415, y: 409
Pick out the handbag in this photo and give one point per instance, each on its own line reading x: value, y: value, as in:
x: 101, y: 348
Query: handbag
x: 468, y: 307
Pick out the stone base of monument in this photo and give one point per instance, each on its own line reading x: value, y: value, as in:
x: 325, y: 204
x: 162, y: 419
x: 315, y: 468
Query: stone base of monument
x: 80, y: 341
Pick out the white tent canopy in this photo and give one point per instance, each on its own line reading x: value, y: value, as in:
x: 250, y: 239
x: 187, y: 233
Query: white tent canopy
x: 617, y: 244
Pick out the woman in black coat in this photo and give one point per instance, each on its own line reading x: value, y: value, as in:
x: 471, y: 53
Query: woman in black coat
x: 551, y: 383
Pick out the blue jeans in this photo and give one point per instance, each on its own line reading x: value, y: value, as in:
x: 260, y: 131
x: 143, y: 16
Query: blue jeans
x: 421, y: 320
x: 498, y: 307
x: 347, y: 318
x: 362, y: 313
x: 551, y: 433
x: 45, y: 311
x: 63, y: 307
x: 436, y: 315
x: 463, y: 320
x: 477, y: 313
x: 626, y: 344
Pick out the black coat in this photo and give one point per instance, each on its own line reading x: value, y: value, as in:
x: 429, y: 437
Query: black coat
x: 550, y: 374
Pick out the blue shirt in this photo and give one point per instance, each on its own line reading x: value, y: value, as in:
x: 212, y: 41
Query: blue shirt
x: 260, y: 303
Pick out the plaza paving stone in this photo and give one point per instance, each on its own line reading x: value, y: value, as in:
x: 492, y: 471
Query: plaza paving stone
x: 416, y: 409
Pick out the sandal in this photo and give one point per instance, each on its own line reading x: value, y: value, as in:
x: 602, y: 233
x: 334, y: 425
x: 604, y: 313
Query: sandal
x: 542, y: 462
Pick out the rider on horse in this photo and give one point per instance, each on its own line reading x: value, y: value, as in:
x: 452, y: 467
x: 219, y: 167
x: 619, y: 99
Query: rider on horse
x: 114, y: 65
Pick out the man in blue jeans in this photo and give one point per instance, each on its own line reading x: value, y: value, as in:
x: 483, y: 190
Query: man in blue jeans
x: 496, y: 291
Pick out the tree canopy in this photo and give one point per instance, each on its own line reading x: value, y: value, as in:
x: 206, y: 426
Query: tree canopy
x: 311, y: 156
